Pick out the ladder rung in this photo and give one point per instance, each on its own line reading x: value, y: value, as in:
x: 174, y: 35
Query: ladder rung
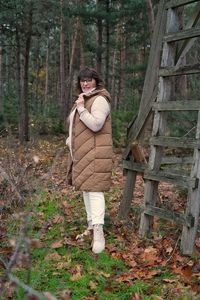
x: 177, y: 3
x: 177, y: 105
x: 171, y: 160
x: 183, y: 70
x: 169, y: 215
x: 164, y: 176
x: 130, y: 165
x: 182, y: 35
x: 175, y: 142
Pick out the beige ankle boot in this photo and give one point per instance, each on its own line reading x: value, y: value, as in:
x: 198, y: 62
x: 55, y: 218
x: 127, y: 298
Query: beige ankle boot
x: 98, y: 244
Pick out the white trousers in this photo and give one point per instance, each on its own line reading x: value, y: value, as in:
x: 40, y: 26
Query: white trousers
x: 94, y: 206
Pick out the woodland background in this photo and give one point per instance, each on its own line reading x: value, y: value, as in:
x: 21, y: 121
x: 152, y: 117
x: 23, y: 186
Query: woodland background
x: 43, y: 45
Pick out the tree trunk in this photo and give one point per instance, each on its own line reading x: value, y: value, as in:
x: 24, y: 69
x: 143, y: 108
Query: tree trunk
x: 24, y: 117
x: 151, y: 17
x: 107, y: 44
x: 72, y: 56
x: 122, y: 66
x: 63, y: 107
x: 82, y: 57
x: 1, y: 82
x: 36, y: 97
x: 18, y: 62
x: 46, y: 79
x: 114, y: 64
x: 99, y: 38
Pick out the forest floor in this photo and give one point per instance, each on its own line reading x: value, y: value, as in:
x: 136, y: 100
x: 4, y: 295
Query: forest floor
x: 40, y: 218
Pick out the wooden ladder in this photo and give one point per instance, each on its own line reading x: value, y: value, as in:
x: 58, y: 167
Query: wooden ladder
x: 169, y: 66
x: 153, y: 174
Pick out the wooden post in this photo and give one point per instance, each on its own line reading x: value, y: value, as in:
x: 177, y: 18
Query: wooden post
x: 125, y: 204
x: 193, y: 203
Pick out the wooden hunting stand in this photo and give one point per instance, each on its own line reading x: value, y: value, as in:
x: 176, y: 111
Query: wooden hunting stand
x: 169, y: 47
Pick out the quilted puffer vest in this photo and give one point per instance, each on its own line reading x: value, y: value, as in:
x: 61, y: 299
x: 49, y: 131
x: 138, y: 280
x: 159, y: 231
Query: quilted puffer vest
x: 92, y: 151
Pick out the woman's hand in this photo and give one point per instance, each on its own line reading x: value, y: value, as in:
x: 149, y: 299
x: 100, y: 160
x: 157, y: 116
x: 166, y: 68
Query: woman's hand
x: 80, y: 102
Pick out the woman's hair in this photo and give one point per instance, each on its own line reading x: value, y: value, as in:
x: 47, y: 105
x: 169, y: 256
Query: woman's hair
x: 91, y: 74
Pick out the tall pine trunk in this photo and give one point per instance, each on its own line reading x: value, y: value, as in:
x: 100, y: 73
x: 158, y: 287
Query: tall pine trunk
x: 107, y: 43
x: 46, y: 92
x: 71, y: 64
x: 1, y: 81
x: 122, y: 78
x: 99, y: 38
x: 23, y: 68
x: 114, y: 66
x: 63, y: 106
x: 82, y: 57
x: 150, y: 15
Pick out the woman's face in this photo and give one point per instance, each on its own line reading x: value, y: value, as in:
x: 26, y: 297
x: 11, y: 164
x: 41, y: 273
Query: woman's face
x: 87, y: 84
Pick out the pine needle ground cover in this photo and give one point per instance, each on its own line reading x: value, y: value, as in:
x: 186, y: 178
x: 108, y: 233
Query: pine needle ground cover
x: 40, y: 218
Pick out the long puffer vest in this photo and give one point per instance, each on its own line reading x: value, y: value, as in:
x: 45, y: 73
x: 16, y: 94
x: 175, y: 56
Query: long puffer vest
x: 92, y: 151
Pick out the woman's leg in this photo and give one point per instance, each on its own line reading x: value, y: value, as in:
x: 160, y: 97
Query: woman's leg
x: 97, y: 205
x: 86, y: 200
x: 89, y: 217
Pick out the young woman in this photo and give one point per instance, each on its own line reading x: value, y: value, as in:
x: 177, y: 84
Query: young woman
x: 90, y: 144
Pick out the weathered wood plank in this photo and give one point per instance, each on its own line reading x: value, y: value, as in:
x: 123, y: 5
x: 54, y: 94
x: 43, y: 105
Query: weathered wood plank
x: 150, y: 84
x: 174, y: 71
x: 176, y: 160
x: 193, y: 203
x: 182, y: 35
x: 177, y: 3
x: 146, y: 221
x: 174, y: 142
x: 169, y: 215
x: 159, y: 125
x: 166, y: 160
x: 125, y: 203
x: 176, y: 171
x: 184, y: 105
x: 181, y: 180
x: 186, y: 45
x: 130, y: 165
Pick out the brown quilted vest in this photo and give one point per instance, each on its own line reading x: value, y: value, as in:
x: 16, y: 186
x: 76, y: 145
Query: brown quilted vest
x: 92, y: 151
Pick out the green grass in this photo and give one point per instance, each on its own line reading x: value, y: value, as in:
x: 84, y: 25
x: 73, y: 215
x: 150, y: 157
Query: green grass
x: 73, y: 266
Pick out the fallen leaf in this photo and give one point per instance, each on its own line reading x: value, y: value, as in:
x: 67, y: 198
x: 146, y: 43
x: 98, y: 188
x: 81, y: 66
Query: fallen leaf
x: 136, y: 297
x: 66, y: 295
x: 197, y: 242
x: 150, y: 256
x: 76, y: 277
x: 6, y: 250
x: 58, y: 219
x: 63, y: 265
x: 35, y: 243
x: 31, y: 297
x: 49, y: 296
x: 106, y: 275
x: 169, y: 250
x: 93, y: 285
x: 126, y: 277
x: 169, y: 280
x: 57, y: 244
x: 53, y: 256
